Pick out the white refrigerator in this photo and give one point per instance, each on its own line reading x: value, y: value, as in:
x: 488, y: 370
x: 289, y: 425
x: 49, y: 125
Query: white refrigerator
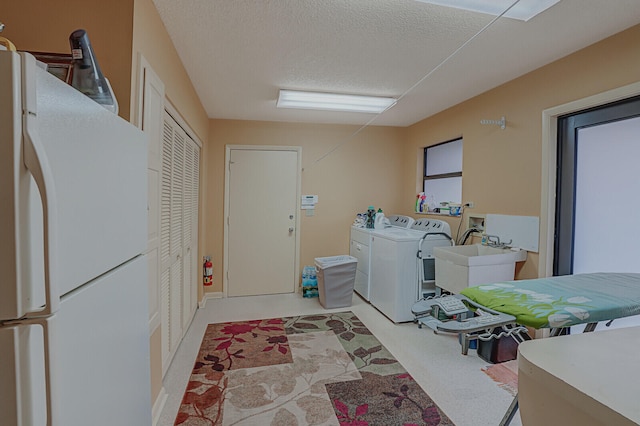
x: 74, y: 334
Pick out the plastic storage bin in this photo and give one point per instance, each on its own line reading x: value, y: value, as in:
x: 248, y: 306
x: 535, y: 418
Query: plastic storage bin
x: 499, y: 350
x: 336, y: 276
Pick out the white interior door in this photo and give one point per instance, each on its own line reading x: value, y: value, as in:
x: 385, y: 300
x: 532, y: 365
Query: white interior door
x: 151, y: 123
x: 262, y: 220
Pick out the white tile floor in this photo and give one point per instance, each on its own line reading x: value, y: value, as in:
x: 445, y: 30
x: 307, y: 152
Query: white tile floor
x: 455, y: 382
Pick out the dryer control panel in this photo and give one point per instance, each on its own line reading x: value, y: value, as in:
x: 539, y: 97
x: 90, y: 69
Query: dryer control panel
x: 431, y: 225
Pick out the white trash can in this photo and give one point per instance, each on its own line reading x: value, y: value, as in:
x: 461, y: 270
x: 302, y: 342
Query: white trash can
x: 336, y: 276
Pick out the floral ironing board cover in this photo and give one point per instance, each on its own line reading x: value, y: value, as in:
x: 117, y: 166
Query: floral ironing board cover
x: 562, y: 301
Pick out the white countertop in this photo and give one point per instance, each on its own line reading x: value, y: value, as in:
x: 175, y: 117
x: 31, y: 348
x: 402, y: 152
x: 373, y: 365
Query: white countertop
x: 599, y: 371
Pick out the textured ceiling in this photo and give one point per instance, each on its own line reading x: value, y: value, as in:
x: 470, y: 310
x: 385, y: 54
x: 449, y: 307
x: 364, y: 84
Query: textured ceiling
x: 239, y: 53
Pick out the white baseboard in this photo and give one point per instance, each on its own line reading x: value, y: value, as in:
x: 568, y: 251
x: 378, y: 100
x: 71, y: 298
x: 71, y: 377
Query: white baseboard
x: 159, y: 405
x: 207, y: 296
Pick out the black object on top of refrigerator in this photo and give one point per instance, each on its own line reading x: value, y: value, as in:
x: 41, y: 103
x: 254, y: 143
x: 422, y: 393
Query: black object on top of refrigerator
x: 87, y: 75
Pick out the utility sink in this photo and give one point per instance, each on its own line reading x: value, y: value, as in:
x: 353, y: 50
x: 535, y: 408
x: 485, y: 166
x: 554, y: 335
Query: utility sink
x: 477, y: 254
x: 459, y: 267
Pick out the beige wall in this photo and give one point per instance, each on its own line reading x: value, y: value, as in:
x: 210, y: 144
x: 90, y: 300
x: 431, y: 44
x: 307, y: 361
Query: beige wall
x: 150, y: 38
x: 502, y: 168
x: 45, y: 26
x: 366, y: 169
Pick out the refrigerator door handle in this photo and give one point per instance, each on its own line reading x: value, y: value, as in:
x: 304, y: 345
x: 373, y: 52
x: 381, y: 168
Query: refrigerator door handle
x: 36, y: 162
x: 50, y: 340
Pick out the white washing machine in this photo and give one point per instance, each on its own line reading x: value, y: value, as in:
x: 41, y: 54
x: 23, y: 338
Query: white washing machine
x: 395, y: 283
x: 360, y: 248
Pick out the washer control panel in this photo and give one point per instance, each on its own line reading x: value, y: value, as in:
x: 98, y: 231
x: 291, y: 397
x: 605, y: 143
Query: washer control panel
x: 400, y: 221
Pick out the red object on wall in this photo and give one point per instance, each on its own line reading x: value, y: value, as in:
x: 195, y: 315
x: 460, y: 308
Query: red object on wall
x: 208, y: 271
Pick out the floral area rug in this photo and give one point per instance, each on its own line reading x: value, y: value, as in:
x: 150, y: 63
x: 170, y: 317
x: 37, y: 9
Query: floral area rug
x: 323, y: 369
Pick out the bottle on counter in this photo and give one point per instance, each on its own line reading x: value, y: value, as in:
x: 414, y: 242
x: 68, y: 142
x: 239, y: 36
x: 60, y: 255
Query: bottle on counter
x: 379, y: 222
x: 371, y: 217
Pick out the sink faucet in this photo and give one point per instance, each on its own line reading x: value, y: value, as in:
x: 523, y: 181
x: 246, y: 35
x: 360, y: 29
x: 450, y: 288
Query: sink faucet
x: 494, y: 241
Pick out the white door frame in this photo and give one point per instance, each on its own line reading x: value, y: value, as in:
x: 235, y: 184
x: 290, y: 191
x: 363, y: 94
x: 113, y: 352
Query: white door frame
x: 549, y: 162
x: 228, y: 149
x: 149, y: 82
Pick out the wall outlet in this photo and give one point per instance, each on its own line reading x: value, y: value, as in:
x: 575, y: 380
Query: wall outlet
x: 469, y: 204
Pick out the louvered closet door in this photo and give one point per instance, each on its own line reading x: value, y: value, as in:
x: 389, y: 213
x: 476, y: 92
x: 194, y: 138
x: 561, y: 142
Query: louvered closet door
x: 177, y: 234
x: 178, y: 227
x: 187, y: 232
x: 165, y: 239
x: 171, y: 236
x: 190, y: 230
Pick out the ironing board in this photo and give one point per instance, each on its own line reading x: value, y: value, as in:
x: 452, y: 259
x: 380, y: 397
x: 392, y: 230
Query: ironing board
x: 562, y: 301
x: 558, y: 302
x: 553, y: 302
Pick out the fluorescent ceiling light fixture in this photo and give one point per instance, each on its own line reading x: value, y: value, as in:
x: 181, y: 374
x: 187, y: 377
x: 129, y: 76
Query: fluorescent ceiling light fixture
x: 333, y: 102
x: 523, y: 10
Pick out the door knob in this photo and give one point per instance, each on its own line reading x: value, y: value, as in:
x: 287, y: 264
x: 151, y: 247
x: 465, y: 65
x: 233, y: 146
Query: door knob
x: 291, y: 229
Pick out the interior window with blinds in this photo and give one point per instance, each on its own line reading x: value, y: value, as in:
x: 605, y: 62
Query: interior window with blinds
x: 443, y: 173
